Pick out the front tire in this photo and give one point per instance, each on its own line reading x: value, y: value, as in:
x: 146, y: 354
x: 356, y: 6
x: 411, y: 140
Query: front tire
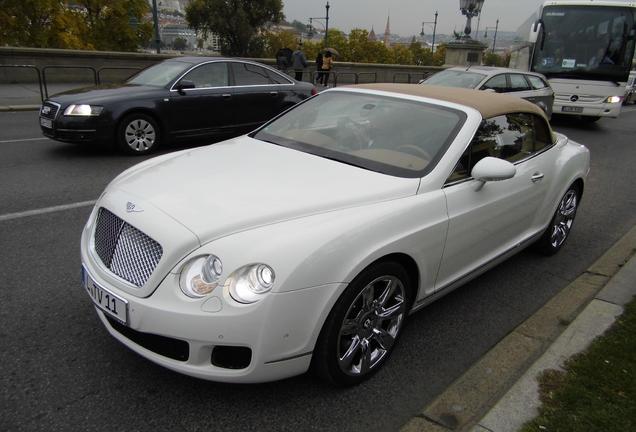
x: 560, y: 226
x: 138, y: 134
x: 364, y: 325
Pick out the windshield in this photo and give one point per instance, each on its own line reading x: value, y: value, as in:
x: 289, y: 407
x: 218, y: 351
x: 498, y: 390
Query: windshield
x: 160, y: 75
x: 586, y: 42
x: 455, y: 78
x: 390, y: 135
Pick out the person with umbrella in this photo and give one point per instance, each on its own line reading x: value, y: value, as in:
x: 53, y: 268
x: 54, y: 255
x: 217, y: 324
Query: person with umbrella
x: 327, y: 64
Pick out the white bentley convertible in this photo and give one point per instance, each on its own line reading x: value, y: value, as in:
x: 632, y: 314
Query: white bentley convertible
x: 306, y: 243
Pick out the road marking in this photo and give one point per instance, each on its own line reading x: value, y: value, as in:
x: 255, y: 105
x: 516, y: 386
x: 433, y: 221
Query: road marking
x: 19, y: 215
x: 22, y: 140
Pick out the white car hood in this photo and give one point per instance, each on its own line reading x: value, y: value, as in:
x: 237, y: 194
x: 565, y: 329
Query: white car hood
x: 244, y: 183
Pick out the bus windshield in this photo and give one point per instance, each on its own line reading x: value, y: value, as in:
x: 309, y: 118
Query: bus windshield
x: 586, y: 42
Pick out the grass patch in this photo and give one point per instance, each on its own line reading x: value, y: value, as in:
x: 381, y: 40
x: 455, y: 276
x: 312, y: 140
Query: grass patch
x: 597, y: 391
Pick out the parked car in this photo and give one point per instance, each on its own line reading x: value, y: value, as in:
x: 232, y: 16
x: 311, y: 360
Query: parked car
x: 308, y: 242
x: 181, y: 98
x: 530, y: 86
x: 630, y: 90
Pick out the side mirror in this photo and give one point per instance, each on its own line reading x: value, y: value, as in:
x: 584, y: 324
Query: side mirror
x: 534, y: 32
x: 184, y: 85
x: 493, y: 169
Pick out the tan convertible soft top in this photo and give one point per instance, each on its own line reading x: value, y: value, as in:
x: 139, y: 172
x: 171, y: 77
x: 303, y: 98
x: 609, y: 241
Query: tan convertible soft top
x: 488, y: 104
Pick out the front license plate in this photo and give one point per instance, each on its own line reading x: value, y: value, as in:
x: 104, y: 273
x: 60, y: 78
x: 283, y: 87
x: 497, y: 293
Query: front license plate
x: 110, y: 303
x: 572, y: 109
x: 46, y: 123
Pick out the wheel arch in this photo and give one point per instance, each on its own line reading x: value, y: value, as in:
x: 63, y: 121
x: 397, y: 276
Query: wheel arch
x: 579, y: 184
x: 410, y: 266
x: 142, y: 110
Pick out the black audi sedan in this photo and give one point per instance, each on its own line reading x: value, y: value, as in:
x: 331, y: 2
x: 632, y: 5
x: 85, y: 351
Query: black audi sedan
x: 177, y: 99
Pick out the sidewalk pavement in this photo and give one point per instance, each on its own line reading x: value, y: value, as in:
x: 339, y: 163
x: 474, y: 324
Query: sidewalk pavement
x: 521, y: 403
x: 500, y: 392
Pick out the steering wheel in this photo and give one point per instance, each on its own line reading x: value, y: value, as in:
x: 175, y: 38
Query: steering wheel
x: 353, y: 136
x: 415, y: 151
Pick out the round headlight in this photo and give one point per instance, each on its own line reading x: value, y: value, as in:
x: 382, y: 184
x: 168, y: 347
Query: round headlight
x: 200, y: 276
x: 212, y: 269
x: 249, y: 283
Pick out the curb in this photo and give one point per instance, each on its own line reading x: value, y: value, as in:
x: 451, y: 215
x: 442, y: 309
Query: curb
x: 7, y: 108
x: 467, y: 400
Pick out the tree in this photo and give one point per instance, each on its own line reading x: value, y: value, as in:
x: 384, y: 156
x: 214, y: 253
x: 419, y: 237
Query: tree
x: 492, y: 59
x: 239, y: 23
x: 363, y: 50
x: 278, y: 40
x: 39, y: 23
x: 91, y: 24
x: 401, y: 54
x: 110, y: 24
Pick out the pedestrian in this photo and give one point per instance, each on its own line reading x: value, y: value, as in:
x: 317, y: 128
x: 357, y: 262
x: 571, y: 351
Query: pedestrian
x: 319, y: 68
x: 299, y: 62
x: 327, y: 64
x: 282, y: 58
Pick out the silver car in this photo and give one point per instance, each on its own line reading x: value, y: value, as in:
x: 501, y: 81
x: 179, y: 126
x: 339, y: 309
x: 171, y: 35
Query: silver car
x: 530, y: 86
x: 630, y: 90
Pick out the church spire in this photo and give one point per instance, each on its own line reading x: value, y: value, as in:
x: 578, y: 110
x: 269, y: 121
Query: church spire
x: 387, y: 31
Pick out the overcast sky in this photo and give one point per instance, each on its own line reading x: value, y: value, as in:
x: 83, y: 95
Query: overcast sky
x: 407, y: 15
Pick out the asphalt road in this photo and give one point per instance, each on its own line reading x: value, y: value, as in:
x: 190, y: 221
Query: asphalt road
x: 62, y: 371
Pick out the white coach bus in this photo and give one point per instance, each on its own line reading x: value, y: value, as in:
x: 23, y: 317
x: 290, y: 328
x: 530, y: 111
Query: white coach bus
x: 585, y: 49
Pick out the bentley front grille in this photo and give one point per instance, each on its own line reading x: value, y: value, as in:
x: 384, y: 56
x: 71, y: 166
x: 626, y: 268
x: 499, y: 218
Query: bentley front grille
x: 124, y: 250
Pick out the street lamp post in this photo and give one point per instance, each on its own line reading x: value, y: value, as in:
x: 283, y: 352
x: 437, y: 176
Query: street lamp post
x: 326, y: 19
x: 470, y: 8
x: 434, y: 31
x: 494, y: 40
x: 155, y: 19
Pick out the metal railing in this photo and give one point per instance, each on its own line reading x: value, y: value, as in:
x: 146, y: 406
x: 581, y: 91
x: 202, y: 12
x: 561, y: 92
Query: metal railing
x: 334, y: 77
x: 46, y: 68
x: 37, y: 72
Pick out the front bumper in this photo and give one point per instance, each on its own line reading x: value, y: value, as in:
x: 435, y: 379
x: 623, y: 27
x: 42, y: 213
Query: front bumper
x: 280, y: 331
x: 78, y: 129
x: 588, y: 109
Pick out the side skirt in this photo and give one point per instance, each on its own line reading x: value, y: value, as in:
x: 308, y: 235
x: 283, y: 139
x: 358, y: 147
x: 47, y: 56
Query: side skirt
x: 477, y: 272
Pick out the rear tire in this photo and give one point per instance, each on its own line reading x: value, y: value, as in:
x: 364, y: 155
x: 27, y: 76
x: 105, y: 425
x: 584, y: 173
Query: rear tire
x: 558, y: 231
x: 138, y: 134
x: 363, y: 326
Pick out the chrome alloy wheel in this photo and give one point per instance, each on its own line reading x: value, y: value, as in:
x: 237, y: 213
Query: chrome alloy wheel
x: 564, y: 218
x: 140, y: 135
x: 371, y: 325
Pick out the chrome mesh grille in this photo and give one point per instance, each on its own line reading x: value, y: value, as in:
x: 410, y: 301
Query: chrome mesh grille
x: 124, y: 250
x: 49, y: 110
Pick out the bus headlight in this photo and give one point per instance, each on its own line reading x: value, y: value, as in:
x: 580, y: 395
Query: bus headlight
x: 613, y: 99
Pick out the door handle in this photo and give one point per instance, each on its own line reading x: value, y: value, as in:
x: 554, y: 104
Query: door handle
x: 226, y: 95
x: 537, y: 177
x: 273, y: 93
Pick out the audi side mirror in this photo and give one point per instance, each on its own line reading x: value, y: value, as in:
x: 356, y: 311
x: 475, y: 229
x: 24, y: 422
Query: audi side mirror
x: 184, y: 85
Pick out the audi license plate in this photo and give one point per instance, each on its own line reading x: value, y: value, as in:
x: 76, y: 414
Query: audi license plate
x: 108, y: 302
x: 572, y: 109
x: 46, y: 123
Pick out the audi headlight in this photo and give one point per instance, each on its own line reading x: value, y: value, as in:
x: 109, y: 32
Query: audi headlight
x: 250, y: 283
x: 613, y: 99
x: 200, y: 276
x: 83, y: 110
